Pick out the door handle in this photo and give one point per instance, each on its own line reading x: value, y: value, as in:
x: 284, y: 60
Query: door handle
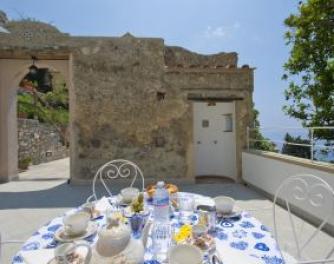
x: 198, y: 142
x: 215, y: 141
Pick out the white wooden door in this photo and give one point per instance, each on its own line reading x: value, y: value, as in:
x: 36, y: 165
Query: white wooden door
x: 214, y: 139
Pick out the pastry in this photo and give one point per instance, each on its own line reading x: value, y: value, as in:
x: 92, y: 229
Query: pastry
x: 170, y: 187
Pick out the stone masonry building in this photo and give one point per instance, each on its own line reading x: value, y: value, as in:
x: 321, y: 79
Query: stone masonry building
x: 132, y: 98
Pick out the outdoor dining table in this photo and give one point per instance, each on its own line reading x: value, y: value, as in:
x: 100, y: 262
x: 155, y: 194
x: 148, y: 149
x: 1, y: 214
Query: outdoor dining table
x: 245, y: 236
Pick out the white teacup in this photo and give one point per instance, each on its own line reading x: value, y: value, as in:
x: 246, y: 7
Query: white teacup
x: 224, y: 204
x: 76, y: 223
x: 128, y: 194
x: 185, y: 254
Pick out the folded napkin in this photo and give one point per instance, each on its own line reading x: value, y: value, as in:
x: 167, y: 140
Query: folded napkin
x: 40, y: 256
x: 233, y: 256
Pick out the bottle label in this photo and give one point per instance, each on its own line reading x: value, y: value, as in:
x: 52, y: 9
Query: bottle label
x: 162, y: 202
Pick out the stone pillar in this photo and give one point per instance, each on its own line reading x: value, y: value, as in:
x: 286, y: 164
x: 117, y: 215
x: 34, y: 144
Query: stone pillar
x: 8, y: 129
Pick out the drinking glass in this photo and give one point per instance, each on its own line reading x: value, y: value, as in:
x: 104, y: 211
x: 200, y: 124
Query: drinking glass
x: 137, y: 222
x: 186, y: 204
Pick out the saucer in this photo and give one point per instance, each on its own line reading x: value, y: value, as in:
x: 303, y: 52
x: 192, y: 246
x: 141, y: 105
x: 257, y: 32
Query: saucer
x: 61, y: 235
x: 234, y: 214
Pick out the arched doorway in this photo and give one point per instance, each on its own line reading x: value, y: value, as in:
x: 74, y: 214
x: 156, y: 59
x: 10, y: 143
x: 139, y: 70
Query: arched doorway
x: 12, y: 71
x: 43, y: 124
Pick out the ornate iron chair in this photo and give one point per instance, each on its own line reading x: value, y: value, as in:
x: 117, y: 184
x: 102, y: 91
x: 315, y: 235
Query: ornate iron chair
x: 119, y: 168
x: 303, y: 191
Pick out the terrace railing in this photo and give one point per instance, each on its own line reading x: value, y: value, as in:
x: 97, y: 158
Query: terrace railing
x: 311, y: 132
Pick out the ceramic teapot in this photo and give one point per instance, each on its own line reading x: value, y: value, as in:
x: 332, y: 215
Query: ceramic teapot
x: 115, y: 245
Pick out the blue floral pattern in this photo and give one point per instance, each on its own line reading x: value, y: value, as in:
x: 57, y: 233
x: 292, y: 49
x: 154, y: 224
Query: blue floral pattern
x: 241, y: 245
x: 54, y: 228
x: 52, y: 244
x: 264, y: 228
x: 227, y: 224
x: 245, y: 235
x: 261, y: 246
x: 273, y: 260
x: 258, y: 235
x: 31, y: 246
x: 47, y: 236
x: 221, y: 235
x: 246, y: 224
x: 239, y: 233
x: 18, y: 259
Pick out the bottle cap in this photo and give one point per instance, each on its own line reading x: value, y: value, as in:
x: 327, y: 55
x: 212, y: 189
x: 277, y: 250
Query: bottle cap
x: 160, y: 184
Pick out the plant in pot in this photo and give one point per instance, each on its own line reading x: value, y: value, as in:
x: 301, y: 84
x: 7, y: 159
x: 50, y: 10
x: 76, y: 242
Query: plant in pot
x: 24, y: 163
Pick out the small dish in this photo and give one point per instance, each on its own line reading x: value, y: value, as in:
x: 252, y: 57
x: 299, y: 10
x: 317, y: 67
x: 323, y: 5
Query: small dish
x: 61, y: 235
x: 187, y: 253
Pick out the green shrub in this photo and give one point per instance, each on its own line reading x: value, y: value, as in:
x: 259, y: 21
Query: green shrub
x: 24, y: 163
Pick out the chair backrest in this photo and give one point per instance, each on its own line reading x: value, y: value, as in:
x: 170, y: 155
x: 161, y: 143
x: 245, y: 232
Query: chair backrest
x: 119, y: 168
x: 313, y: 195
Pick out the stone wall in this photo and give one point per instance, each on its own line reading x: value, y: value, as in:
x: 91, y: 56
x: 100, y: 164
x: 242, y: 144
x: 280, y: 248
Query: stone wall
x: 120, y: 113
x: 40, y: 142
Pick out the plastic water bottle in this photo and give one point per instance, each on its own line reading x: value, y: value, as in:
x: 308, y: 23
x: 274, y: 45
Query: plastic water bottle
x: 161, y: 203
x: 161, y: 229
x: 161, y: 240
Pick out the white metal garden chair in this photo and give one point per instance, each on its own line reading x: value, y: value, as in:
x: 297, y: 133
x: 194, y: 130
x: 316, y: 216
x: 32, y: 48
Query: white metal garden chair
x: 112, y: 170
x: 303, y: 191
x: 5, y: 242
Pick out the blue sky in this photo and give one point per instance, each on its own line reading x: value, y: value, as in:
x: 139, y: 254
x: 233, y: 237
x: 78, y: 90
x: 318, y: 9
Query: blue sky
x: 253, y: 28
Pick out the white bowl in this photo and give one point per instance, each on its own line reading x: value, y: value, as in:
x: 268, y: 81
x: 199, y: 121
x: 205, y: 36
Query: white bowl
x: 128, y: 194
x: 224, y: 204
x: 185, y: 254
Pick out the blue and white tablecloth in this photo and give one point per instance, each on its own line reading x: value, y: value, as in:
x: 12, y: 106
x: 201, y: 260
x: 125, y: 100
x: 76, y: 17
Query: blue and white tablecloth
x: 245, y: 235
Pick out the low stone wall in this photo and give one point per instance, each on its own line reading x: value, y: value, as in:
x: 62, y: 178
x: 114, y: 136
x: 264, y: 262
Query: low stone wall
x: 40, y: 142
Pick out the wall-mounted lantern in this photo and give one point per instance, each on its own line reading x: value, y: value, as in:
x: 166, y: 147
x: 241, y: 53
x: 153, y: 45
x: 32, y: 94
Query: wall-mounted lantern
x: 33, y: 68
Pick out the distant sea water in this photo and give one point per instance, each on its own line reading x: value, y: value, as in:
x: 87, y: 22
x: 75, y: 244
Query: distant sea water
x: 277, y: 136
